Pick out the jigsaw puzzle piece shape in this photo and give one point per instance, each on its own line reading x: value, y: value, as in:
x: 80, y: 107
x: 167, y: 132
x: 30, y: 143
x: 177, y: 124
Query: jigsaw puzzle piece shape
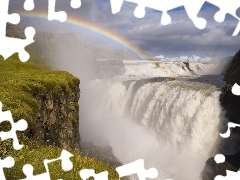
x: 76, y: 4
x: 9, y: 46
x: 230, y: 176
x: 165, y: 6
x: 192, y: 8
x: 229, y: 7
x: 139, y: 11
x: 87, y: 173
x: 13, y: 18
x: 160, y: 5
x: 230, y: 125
x: 21, y: 125
x: 29, y: 5
x: 236, y: 31
x: 66, y: 163
x: 61, y: 15
x: 236, y: 89
x: 8, y: 162
x: 219, y: 158
x: 5, y: 17
x: 28, y: 171
x: 53, y: 15
x: 137, y: 167
x: 116, y: 6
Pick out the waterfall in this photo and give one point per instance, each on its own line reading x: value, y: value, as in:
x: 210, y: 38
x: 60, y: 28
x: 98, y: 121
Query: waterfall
x: 173, y: 125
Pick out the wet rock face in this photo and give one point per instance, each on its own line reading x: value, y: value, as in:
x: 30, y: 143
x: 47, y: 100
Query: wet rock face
x: 233, y: 72
x: 229, y: 101
x: 58, y: 120
x: 231, y: 104
x: 213, y: 169
x: 104, y: 154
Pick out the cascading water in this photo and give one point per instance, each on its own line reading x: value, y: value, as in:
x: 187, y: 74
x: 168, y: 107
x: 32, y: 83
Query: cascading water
x: 172, y: 125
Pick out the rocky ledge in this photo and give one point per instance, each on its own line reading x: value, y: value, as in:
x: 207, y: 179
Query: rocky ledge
x: 57, y: 119
x: 230, y: 103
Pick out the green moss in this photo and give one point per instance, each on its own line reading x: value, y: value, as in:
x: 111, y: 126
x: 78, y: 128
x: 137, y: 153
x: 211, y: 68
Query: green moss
x: 35, y: 157
x: 20, y: 83
x: 76, y: 105
x: 73, y: 119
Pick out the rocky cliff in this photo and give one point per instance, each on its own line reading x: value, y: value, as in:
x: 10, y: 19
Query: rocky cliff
x: 47, y: 100
x: 230, y: 103
x: 57, y: 122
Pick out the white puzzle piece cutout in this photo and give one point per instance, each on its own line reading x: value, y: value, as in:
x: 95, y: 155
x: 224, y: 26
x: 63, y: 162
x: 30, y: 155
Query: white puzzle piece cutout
x: 9, y: 46
x: 192, y: 9
x: 20, y: 125
x: 66, y: 163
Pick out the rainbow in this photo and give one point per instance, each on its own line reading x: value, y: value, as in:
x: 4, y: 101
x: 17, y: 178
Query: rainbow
x: 76, y: 21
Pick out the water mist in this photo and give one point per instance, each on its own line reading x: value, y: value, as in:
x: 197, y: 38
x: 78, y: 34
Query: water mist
x: 173, y: 127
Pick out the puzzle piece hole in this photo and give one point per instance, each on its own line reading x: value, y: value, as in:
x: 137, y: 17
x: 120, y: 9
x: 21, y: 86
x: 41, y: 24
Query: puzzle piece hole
x: 75, y: 4
x: 29, y: 5
x: 219, y: 158
x: 139, y: 12
x: 27, y: 169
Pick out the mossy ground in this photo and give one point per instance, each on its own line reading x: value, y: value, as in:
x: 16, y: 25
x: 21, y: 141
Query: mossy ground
x: 35, y: 157
x: 19, y: 83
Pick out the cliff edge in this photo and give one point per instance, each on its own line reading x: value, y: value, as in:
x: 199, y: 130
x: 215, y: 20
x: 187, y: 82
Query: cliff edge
x: 48, y: 101
x: 230, y: 104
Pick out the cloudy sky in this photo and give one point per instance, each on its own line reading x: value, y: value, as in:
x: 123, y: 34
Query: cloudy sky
x: 180, y: 38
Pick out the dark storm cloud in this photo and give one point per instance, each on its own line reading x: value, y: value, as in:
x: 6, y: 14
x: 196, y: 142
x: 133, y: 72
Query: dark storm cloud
x: 180, y: 37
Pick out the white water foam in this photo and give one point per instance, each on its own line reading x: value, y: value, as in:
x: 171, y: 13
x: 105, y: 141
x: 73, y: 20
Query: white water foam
x: 141, y: 69
x: 173, y: 125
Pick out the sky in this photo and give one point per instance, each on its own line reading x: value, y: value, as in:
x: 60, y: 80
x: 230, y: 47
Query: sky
x: 180, y: 38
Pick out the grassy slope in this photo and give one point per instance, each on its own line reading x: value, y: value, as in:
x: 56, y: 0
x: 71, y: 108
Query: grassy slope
x: 18, y: 83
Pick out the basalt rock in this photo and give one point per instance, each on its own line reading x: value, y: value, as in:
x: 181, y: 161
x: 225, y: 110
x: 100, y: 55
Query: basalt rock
x: 230, y: 103
x: 57, y: 121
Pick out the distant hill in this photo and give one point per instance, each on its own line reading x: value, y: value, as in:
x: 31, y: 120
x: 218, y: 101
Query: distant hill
x: 66, y: 52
